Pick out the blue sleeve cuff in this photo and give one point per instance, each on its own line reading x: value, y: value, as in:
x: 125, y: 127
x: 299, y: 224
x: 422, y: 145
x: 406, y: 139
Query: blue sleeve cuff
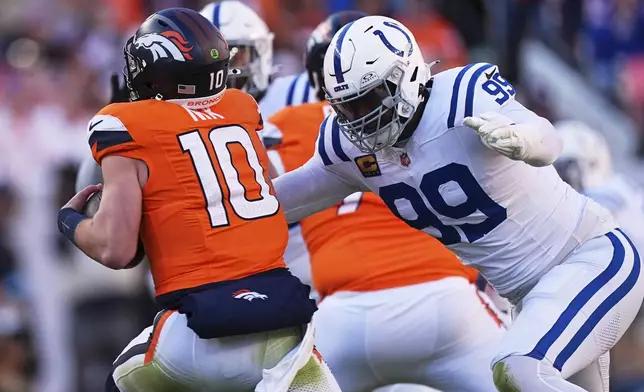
x: 68, y: 221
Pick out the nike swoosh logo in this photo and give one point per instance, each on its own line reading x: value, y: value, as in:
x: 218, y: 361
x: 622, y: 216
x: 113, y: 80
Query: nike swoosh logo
x: 489, y: 75
x: 91, y: 126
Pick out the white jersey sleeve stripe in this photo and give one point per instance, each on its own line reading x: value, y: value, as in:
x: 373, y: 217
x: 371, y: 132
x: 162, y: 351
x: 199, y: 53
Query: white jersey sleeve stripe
x: 469, y: 97
x: 321, y: 142
x: 299, y: 90
x: 291, y: 90
x: 307, y: 90
x: 335, y: 141
x: 469, y: 93
x: 453, y: 106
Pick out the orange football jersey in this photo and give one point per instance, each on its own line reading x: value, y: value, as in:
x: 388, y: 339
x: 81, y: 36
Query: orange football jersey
x: 209, y: 209
x: 358, y: 245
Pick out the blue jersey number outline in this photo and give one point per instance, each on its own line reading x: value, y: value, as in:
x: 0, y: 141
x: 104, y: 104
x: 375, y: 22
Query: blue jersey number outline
x: 477, y: 200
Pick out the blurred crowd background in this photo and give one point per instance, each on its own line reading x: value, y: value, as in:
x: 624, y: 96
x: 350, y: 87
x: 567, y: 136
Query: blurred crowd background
x: 63, y: 318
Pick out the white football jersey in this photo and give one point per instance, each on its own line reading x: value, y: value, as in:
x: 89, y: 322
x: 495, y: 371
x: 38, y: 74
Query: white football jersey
x: 286, y: 91
x: 510, y: 220
x: 625, y: 202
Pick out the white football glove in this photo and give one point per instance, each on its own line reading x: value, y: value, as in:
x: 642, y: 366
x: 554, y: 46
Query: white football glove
x: 500, y: 134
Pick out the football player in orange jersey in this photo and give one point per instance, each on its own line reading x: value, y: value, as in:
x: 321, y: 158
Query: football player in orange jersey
x: 185, y: 170
x: 397, y: 306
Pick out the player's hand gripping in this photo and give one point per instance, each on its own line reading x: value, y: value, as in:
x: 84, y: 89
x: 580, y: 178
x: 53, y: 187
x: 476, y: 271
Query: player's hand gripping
x: 77, y: 203
x: 500, y: 134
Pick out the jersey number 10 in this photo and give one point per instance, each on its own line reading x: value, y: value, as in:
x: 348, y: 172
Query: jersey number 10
x: 220, y: 138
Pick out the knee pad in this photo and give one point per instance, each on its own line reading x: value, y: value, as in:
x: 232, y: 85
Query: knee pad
x: 314, y: 376
x: 518, y: 373
x: 503, y: 377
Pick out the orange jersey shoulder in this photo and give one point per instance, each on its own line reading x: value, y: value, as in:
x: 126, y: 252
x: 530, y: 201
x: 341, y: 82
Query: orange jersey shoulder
x: 358, y: 245
x: 208, y: 189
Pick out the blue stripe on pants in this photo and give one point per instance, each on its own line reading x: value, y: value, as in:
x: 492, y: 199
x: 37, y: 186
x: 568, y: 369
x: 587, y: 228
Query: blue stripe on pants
x: 542, y: 347
x: 605, y: 306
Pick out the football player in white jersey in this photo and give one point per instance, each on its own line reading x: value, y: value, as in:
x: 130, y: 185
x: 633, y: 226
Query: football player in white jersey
x: 252, y: 42
x: 586, y: 164
x: 250, y: 37
x: 456, y: 156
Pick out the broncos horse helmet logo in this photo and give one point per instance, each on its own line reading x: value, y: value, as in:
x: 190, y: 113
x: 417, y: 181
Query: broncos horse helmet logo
x: 169, y: 44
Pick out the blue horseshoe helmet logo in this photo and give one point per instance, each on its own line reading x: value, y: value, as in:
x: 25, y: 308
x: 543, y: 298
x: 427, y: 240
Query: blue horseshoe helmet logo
x: 388, y: 44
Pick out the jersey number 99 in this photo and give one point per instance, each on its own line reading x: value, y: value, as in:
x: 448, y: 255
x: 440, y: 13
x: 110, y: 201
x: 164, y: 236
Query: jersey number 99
x: 477, y: 200
x: 499, y: 88
x: 221, y: 138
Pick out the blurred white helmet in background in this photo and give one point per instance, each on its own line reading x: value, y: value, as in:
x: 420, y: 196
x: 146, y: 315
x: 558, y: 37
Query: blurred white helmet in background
x: 586, y: 151
x: 250, y: 41
x: 374, y: 75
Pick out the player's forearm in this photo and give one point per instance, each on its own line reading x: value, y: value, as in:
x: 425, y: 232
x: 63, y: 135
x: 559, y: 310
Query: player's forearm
x: 543, y: 144
x: 307, y: 190
x: 106, y: 242
x: 297, y: 201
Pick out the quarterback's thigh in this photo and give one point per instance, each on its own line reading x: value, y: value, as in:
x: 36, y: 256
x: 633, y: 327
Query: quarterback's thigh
x: 170, y: 353
x: 580, y: 308
x: 470, y: 337
x: 133, y: 373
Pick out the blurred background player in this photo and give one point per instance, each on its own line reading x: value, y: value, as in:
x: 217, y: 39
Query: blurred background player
x: 192, y: 209
x: 252, y: 45
x: 586, y: 164
x: 396, y: 305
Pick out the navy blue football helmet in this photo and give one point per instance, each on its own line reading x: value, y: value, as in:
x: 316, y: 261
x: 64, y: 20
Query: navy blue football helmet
x: 176, y: 54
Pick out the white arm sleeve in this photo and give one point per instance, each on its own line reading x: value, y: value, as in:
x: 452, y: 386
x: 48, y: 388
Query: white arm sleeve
x: 310, y: 189
x: 543, y: 144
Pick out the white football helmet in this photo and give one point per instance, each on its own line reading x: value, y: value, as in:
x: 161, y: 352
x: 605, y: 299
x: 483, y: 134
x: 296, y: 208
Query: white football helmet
x: 374, y: 76
x: 585, y: 161
x: 250, y: 41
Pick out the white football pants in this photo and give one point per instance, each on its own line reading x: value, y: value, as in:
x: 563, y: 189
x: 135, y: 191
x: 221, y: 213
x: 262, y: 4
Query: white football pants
x: 169, y: 356
x: 572, y: 317
x: 438, y: 334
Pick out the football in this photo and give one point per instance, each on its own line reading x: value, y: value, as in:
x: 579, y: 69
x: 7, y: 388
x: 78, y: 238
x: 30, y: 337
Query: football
x: 91, y: 207
x: 92, y: 204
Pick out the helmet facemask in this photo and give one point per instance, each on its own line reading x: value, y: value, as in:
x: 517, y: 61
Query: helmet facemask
x: 132, y: 68
x: 374, y: 117
x: 246, y: 58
